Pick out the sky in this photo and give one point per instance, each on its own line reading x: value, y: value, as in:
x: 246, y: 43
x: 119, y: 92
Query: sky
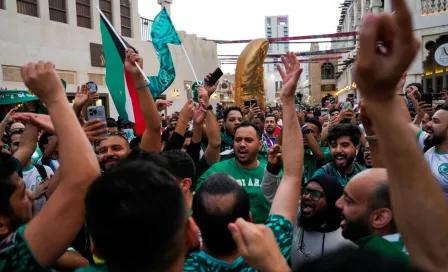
x: 244, y: 19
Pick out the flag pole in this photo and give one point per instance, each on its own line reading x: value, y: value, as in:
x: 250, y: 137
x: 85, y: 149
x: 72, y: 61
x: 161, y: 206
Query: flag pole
x: 122, y: 43
x: 189, y: 62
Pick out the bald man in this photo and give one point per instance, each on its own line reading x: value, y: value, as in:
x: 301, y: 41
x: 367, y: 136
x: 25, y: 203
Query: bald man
x: 367, y: 214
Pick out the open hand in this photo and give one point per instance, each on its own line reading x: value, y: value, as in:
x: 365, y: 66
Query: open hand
x: 82, y: 96
x: 377, y: 72
x: 42, y: 121
x: 41, y: 189
x: 290, y: 76
x: 163, y: 104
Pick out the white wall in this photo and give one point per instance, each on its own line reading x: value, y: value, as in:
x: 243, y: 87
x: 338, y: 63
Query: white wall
x: 25, y: 38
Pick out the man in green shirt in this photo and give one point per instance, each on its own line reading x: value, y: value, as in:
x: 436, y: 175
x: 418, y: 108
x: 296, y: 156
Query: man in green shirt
x: 344, y: 141
x: 245, y: 168
x: 368, y: 218
x: 315, y: 155
x: 30, y: 244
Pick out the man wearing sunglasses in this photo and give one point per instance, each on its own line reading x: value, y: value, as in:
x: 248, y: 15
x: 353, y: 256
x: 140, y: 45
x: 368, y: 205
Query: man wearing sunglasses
x: 318, y: 231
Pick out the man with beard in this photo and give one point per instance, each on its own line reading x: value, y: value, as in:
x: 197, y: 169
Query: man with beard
x: 112, y: 150
x: 270, y: 124
x: 246, y: 168
x: 344, y: 141
x: 437, y: 137
x: 233, y: 116
x: 368, y: 219
x: 318, y: 231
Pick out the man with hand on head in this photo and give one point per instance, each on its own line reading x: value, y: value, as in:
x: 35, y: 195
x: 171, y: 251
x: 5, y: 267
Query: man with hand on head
x: 32, y: 244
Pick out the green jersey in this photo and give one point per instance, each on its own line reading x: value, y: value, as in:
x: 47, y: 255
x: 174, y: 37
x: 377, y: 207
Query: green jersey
x: 201, y: 261
x: 330, y: 169
x: 250, y: 179
x: 15, y: 255
x: 383, y: 247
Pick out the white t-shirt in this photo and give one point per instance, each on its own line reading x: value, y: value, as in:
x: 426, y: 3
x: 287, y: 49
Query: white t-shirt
x: 32, y: 178
x: 438, y: 162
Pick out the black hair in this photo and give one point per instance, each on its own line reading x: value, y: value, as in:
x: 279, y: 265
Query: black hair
x: 333, y: 110
x: 5, y: 138
x: 43, y: 140
x: 13, y: 132
x: 213, y: 216
x: 166, y: 134
x: 130, y: 197
x: 135, y: 142
x: 261, y: 117
x: 111, y: 122
x: 229, y: 109
x: 249, y: 124
x: 314, y: 122
x: 350, y: 259
x: 219, y: 116
x: 341, y: 130
x: 380, y: 199
x: 418, y: 85
x: 271, y: 115
x: 8, y: 166
x: 182, y: 165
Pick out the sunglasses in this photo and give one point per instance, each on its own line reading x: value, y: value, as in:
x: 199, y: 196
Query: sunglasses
x: 316, y: 195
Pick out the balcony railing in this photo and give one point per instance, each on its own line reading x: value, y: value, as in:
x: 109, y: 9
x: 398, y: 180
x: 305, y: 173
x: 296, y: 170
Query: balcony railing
x: 145, y: 27
x: 430, y: 7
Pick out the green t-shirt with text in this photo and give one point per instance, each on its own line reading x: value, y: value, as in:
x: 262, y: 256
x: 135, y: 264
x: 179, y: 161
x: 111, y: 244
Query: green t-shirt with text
x: 250, y: 179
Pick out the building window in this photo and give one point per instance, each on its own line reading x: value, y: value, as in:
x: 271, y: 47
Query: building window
x: 429, y: 85
x: 83, y: 16
x: 439, y: 84
x: 125, y: 13
x: 268, y: 21
x: 58, y: 11
x: 327, y: 70
x: 27, y: 7
x: 106, y: 8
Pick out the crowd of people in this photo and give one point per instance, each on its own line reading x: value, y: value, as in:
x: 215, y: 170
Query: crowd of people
x: 353, y: 188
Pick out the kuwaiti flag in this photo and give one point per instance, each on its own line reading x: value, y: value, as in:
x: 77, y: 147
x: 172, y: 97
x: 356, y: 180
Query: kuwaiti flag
x: 118, y: 80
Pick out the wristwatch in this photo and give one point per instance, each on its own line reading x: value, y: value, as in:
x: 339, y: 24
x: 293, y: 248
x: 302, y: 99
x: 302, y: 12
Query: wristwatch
x: 210, y: 107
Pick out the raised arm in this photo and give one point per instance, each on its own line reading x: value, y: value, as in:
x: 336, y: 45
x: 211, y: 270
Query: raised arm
x: 151, y: 138
x: 213, y: 150
x: 51, y: 232
x: 5, y: 122
x: 420, y: 209
x: 28, y: 143
x: 311, y: 141
x: 287, y: 197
